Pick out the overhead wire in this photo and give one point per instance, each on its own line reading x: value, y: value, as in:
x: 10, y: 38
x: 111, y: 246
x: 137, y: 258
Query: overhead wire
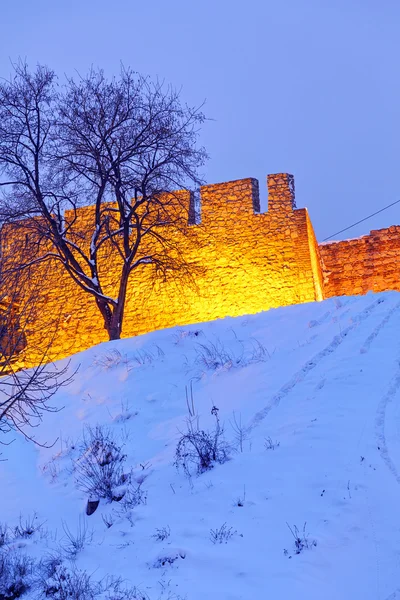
x: 361, y: 220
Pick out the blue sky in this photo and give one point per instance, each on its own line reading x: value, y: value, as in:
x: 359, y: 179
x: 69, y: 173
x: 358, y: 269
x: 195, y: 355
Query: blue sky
x: 310, y: 87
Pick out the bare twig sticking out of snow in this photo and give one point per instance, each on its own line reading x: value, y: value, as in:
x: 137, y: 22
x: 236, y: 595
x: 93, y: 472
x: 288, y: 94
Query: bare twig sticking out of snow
x: 301, y: 539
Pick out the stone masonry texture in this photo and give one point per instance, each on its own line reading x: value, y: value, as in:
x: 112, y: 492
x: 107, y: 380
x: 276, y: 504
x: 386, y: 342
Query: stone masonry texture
x: 247, y: 262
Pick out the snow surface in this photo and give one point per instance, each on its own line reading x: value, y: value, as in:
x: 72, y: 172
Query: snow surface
x: 326, y: 394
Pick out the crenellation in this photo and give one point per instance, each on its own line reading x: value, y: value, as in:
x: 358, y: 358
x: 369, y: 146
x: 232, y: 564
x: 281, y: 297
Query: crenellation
x: 281, y: 193
x: 250, y: 262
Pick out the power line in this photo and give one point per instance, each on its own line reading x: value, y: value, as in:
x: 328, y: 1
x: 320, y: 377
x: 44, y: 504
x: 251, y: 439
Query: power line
x: 361, y: 221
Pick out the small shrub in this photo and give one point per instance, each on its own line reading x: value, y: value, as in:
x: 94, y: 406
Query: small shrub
x: 165, y: 561
x: 27, y: 527
x: 60, y: 582
x: 52, y: 469
x: 213, y: 356
x: 240, y: 432
x: 74, y: 543
x: 143, y: 357
x: 134, y: 496
x: 114, y: 358
x: 258, y: 353
x: 221, y: 535
x: 301, y: 539
x: 168, y: 560
x: 198, y: 450
x: 111, y: 359
x: 4, y: 534
x: 160, y: 352
x: 16, y: 574
x: 125, y: 413
x: 108, y: 520
x: 162, y: 534
x: 269, y: 444
x: 99, y: 470
x: 117, y: 591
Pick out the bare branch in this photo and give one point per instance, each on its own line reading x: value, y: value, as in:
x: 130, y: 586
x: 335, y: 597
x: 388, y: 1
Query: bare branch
x: 122, y: 145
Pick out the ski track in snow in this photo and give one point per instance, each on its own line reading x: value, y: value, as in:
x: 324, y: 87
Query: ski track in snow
x: 380, y: 424
x: 357, y: 555
x: 381, y: 438
x: 380, y: 418
x: 366, y: 345
x: 394, y: 595
x: 301, y: 374
x: 311, y: 364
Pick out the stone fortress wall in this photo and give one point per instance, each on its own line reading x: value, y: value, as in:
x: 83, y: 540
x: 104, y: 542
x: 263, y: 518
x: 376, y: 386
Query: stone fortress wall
x: 252, y: 262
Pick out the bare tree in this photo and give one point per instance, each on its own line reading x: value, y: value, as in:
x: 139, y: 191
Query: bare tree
x: 123, y: 145
x: 25, y: 397
x: 24, y: 393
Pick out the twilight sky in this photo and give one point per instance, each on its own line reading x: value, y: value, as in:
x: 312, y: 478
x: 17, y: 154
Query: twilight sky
x: 309, y: 87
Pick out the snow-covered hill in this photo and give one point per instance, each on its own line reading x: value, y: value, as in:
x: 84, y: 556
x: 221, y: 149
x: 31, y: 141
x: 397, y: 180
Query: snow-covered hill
x: 309, y: 399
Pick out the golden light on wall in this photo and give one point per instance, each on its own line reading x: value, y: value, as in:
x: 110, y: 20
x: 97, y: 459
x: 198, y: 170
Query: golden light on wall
x: 249, y: 262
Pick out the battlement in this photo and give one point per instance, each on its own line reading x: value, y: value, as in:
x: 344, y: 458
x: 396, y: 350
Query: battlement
x: 230, y: 200
x: 281, y: 196
x: 250, y: 262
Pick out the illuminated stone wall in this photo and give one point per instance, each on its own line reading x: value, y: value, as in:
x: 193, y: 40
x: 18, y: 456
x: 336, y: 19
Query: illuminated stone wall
x: 247, y: 262
x: 357, y: 266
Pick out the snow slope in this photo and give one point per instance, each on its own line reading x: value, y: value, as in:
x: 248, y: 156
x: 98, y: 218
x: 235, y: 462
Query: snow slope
x: 319, y: 381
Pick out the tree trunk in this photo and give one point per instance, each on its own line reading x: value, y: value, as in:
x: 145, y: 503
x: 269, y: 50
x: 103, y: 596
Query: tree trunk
x: 117, y: 316
x: 114, y: 333
x: 113, y: 316
x: 115, y: 326
x: 107, y: 315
